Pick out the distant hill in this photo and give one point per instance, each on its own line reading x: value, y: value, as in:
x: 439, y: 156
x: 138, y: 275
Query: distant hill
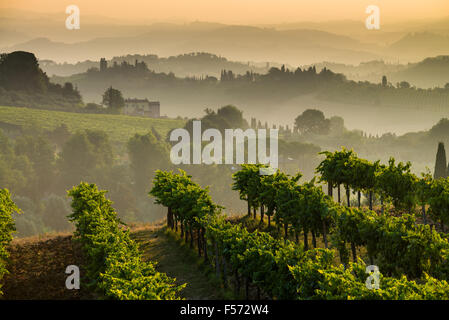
x: 371, y: 71
x: 428, y: 73
x: 417, y: 46
x: 183, y: 65
x: 243, y: 43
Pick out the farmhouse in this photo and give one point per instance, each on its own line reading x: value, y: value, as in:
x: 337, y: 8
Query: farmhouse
x: 142, y: 107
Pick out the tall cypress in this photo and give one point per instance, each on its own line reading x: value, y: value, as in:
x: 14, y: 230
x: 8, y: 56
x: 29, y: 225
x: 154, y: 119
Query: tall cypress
x: 440, y: 163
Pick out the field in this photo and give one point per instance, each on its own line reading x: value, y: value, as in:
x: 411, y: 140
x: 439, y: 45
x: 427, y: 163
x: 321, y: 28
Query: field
x: 118, y: 127
x: 37, y: 266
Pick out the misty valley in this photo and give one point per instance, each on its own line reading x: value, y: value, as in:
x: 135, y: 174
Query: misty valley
x: 149, y: 157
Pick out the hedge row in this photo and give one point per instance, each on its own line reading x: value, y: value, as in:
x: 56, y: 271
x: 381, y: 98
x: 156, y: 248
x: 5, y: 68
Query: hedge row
x: 7, y: 228
x: 115, y: 265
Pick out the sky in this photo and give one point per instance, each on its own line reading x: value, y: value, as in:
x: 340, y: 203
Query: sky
x: 241, y: 11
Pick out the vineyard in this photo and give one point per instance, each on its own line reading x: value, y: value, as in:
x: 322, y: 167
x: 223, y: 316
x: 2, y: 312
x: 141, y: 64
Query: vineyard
x: 413, y: 257
x: 118, y: 127
x: 404, y: 239
x: 115, y: 265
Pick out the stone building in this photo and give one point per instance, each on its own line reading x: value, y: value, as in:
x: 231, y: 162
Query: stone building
x: 142, y: 107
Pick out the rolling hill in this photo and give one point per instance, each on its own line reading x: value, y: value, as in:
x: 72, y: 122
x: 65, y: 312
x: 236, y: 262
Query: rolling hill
x: 244, y: 43
x: 417, y: 46
x: 118, y: 127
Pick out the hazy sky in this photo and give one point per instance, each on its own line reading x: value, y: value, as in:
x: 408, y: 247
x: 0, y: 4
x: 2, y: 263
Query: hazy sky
x: 241, y: 11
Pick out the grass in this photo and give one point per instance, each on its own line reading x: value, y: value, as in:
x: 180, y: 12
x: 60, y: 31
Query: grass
x: 118, y: 127
x: 179, y: 261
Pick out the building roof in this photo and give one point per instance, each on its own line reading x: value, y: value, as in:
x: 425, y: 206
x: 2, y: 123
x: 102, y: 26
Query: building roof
x: 136, y: 100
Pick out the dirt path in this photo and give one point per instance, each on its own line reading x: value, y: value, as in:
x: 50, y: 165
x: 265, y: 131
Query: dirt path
x: 37, y: 267
x: 178, y: 262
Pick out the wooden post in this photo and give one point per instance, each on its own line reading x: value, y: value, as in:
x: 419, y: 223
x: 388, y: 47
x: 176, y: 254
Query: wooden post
x: 382, y: 204
x: 359, y: 196
x: 354, y: 252
x: 306, y: 241
x: 199, y: 241
x: 225, y: 269
x: 191, y: 235
x: 204, y: 244
x: 217, y: 263
x: 348, y: 196
x: 237, y: 283
x: 313, y: 239
x: 325, y: 234
x: 423, y: 208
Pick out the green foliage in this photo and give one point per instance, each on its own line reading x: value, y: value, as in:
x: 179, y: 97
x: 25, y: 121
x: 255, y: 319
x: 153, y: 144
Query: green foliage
x: 439, y: 200
x: 398, y: 183
x: 268, y: 190
x: 423, y: 188
x: 398, y: 244
x: 114, y: 266
x: 41, y: 155
x: 54, y: 213
x: 440, y: 162
x: 285, y: 270
x: 247, y: 182
x: 84, y: 155
x: 119, y: 128
x: 20, y: 70
x: 312, y: 122
x: 142, y: 150
x: 7, y: 228
x: 113, y: 99
x: 364, y: 175
x: 297, y: 150
x: 23, y: 83
x: 185, y: 199
x: 319, y: 280
x: 14, y: 170
x: 337, y: 167
x: 288, y: 205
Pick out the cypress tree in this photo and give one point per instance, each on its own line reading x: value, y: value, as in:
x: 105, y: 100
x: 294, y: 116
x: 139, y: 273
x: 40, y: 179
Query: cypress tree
x: 440, y: 163
x: 447, y: 171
